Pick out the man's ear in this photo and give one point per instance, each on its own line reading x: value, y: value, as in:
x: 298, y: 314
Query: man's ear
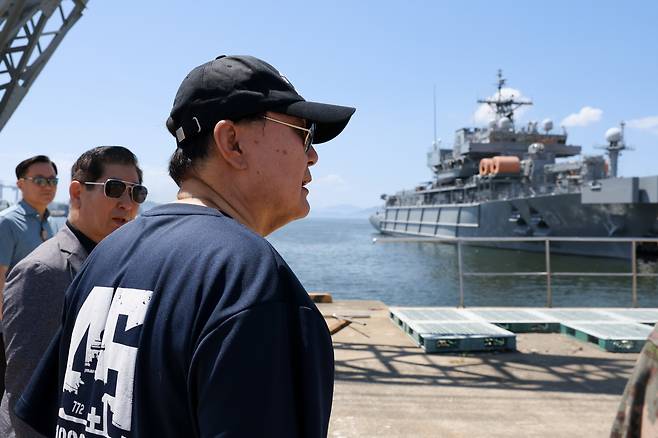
x: 226, y: 136
x: 20, y: 183
x: 75, y: 189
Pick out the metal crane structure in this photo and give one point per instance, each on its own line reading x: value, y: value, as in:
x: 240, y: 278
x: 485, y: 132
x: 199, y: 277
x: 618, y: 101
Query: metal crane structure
x: 30, y: 31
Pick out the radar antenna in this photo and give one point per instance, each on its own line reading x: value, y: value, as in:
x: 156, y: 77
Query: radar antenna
x: 30, y: 32
x: 504, y: 107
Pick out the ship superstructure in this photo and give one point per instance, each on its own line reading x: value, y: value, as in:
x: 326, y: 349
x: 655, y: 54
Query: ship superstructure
x: 527, y: 181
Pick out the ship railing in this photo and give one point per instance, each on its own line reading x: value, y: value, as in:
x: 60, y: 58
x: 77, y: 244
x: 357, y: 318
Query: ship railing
x: 548, y: 272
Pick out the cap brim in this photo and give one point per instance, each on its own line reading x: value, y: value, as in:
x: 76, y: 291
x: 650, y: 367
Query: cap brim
x: 330, y: 119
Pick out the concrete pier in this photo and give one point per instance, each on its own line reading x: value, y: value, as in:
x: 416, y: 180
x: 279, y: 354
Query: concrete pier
x: 386, y: 386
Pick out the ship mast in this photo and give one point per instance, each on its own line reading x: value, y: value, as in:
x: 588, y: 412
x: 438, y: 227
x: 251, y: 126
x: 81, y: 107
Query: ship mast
x: 616, y: 144
x: 504, y: 107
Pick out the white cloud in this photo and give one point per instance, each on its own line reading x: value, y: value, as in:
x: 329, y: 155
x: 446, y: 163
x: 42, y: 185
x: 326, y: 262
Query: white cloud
x: 646, y: 123
x: 586, y: 116
x: 484, y: 113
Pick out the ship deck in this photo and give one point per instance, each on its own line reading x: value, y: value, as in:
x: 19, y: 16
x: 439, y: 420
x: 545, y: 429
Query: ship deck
x: 552, y: 385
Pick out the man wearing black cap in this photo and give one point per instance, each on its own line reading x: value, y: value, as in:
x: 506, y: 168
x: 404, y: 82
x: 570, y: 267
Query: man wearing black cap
x: 186, y: 322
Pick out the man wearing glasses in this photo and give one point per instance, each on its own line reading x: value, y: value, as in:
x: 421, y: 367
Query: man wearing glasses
x: 25, y: 225
x: 187, y: 322
x: 105, y: 193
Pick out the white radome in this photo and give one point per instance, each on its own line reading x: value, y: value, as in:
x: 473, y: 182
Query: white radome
x: 547, y: 124
x: 613, y: 135
x: 504, y: 123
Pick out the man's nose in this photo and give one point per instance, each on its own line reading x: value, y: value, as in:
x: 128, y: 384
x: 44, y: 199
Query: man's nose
x: 312, y: 156
x: 125, y: 201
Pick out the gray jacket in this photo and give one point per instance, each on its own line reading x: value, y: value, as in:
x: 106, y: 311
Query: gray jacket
x: 32, y: 312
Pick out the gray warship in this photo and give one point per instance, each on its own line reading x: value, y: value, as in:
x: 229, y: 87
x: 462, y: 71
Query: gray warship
x: 507, y: 181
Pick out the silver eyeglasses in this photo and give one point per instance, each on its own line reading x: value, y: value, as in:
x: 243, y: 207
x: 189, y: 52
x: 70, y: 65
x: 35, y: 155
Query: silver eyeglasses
x: 309, y: 132
x: 115, y: 188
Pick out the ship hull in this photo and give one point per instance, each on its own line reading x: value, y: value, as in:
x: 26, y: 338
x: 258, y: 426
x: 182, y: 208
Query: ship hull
x: 558, y: 215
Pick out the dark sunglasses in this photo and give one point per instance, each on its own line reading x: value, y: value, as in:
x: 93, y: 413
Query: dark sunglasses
x: 306, y: 134
x: 42, y: 181
x: 114, y: 188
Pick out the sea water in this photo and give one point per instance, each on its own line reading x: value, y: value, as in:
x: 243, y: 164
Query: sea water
x: 339, y: 256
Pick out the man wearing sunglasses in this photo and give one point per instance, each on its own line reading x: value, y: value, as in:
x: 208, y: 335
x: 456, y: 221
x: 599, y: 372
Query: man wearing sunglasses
x: 105, y: 193
x: 25, y: 225
x: 189, y: 322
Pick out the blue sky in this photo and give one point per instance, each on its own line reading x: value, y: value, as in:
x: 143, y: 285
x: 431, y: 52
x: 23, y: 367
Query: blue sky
x: 113, y: 79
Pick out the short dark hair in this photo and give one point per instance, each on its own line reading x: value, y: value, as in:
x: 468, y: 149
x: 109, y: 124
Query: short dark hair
x: 196, y: 150
x: 91, y: 164
x: 24, y: 165
x: 183, y: 159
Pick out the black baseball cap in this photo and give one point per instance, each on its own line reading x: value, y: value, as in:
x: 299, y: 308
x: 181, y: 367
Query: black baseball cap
x: 232, y: 87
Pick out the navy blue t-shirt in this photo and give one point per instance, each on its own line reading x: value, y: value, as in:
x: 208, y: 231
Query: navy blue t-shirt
x: 184, y: 323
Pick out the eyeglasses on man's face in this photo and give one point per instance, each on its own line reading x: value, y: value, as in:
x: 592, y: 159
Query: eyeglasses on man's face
x: 307, y: 134
x: 115, y: 188
x: 42, y: 181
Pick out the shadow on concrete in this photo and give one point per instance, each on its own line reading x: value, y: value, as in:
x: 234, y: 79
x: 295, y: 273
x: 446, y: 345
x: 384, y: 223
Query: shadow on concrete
x: 398, y: 365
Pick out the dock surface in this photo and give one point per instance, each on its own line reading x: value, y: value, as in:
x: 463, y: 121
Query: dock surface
x: 386, y: 386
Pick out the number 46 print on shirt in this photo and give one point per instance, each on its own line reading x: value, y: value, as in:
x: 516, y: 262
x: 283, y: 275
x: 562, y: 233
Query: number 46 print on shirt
x: 97, y: 394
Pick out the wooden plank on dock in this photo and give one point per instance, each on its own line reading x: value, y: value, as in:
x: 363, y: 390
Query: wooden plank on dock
x: 321, y: 297
x: 336, y: 325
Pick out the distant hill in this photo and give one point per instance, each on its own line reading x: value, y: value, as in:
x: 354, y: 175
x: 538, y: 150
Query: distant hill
x: 342, y: 211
